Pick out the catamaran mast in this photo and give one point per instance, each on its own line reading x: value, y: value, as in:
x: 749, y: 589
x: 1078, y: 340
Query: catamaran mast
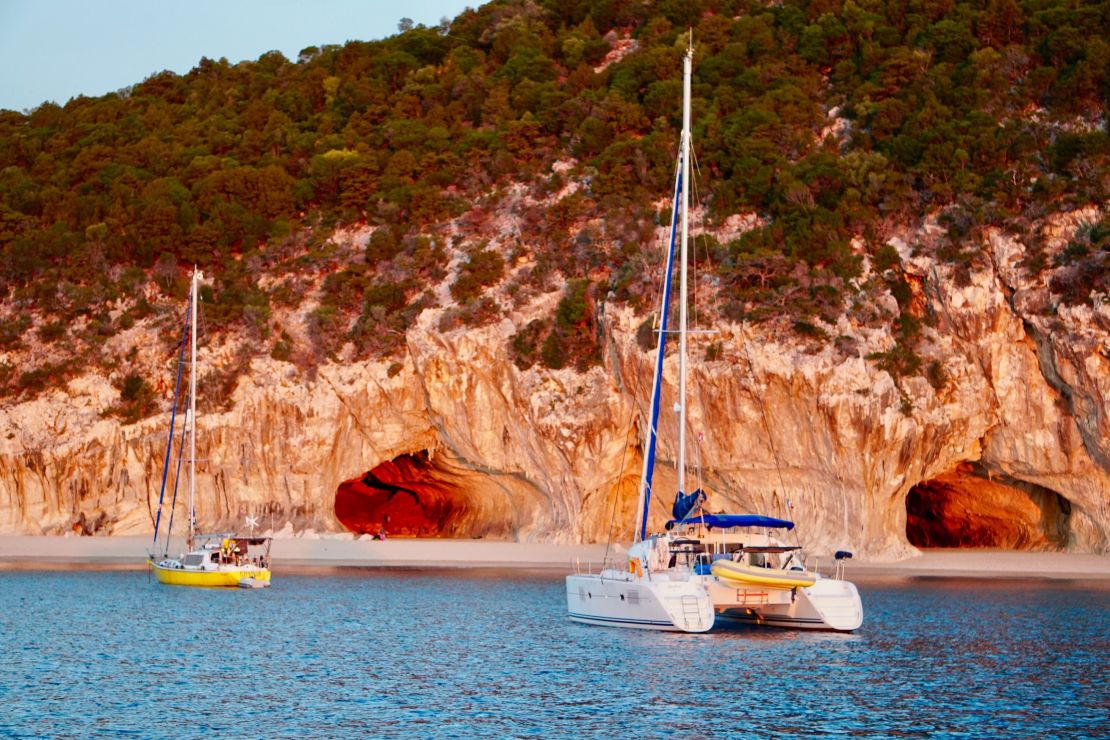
x: 192, y: 417
x: 687, y: 64
x: 679, y: 207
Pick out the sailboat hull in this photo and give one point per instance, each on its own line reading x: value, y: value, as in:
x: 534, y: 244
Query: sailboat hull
x: 829, y: 604
x: 173, y: 573
x: 617, y: 599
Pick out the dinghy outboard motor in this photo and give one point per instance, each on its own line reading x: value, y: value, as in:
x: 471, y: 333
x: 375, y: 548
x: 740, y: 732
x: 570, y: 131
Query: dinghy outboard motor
x: 841, y: 556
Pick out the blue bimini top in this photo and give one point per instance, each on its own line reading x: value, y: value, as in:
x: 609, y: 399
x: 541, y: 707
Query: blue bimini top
x: 725, y: 521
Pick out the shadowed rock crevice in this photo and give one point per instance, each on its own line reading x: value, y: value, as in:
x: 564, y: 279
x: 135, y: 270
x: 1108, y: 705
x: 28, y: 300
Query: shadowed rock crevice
x: 968, y: 507
x: 410, y: 496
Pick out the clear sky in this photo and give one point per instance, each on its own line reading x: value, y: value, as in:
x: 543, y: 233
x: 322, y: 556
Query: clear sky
x: 57, y: 49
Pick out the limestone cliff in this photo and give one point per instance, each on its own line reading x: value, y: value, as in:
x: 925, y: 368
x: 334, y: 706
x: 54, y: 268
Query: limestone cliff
x: 779, y: 426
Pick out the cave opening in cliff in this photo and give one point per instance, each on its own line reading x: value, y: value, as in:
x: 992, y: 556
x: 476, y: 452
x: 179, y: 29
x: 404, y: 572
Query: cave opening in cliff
x: 409, y: 496
x: 969, y: 507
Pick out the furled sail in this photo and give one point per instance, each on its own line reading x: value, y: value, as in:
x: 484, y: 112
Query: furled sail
x: 657, y: 382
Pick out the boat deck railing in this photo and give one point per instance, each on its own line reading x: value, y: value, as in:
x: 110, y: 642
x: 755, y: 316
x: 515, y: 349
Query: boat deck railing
x: 837, y: 573
x: 590, y: 567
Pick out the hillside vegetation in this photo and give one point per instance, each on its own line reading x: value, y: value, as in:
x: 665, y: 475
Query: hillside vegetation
x: 834, y: 122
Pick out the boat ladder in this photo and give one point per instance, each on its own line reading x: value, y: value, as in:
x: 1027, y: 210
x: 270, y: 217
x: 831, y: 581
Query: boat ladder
x: 691, y: 612
x: 744, y: 596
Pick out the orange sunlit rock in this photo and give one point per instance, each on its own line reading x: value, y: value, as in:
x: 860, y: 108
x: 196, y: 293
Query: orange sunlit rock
x: 402, y: 497
x: 965, y: 508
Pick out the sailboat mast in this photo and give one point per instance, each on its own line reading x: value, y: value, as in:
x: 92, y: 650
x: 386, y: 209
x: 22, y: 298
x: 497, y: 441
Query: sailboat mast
x: 193, y: 403
x: 680, y: 206
x: 687, y: 64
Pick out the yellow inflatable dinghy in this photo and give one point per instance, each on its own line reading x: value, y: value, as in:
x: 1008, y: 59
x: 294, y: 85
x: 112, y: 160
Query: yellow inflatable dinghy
x: 751, y: 575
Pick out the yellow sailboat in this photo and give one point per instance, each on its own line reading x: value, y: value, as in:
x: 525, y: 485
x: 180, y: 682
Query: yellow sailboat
x: 214, y: 560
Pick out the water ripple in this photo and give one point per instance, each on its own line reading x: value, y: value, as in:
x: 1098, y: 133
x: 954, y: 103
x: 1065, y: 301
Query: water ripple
x: 415, y: 654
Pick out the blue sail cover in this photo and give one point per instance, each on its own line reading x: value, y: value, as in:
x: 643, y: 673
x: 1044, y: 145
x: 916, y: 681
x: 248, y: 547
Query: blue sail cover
x: 684, y: 503
x: 649, y: 465
x: 724, y: 521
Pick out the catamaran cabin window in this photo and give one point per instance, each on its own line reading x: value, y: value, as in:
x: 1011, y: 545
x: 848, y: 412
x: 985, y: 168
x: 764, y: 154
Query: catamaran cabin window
x: 215, y: 557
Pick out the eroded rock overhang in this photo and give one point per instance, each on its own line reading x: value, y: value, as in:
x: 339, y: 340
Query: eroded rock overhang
x: 971, y: 507
x: 426, y: 494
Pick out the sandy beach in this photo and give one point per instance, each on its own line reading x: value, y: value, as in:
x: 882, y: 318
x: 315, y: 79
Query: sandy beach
x: 297, y: 554
x: 303, y: 553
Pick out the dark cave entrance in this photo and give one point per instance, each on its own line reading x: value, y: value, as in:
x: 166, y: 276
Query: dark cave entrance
x: 409, y: 496
x: 970, y: 508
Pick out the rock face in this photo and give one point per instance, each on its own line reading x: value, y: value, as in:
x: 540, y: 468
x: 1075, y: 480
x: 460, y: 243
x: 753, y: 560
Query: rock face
x: 967, y: 508
x: 460, y: 442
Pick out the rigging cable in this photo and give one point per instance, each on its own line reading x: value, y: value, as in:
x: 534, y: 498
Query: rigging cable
x: 631, y: 424
x: 169, y: 439
x: 620, y: 477
x: 766, y: 424
x: 176, y: 482
x: 701, y: 233
x: 697, y: 200
x: 643, y: 502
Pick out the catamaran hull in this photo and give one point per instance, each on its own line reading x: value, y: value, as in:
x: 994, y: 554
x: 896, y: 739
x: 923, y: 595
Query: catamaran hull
x: 223, y: 578
x: 638, y: 603
x: 829, y: 604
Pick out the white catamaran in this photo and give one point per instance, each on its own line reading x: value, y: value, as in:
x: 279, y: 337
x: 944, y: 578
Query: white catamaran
x: 706, y: 570
x: 217, y: 559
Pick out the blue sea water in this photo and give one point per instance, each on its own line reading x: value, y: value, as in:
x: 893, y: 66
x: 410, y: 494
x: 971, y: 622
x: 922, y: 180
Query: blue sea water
x: 487, y: 654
